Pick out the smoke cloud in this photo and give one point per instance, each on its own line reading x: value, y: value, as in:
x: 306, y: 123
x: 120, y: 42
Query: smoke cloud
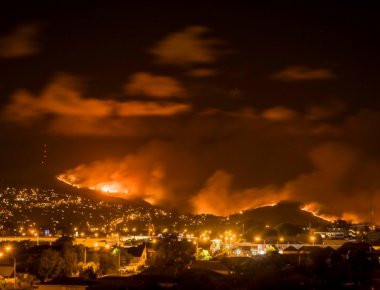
x: 204, y: 146
x: 65, y: 110
x: 186, y: 47
x: 143, y: 83
x: 302, y: 73
x: 224, y: 163
x: 20, y: 42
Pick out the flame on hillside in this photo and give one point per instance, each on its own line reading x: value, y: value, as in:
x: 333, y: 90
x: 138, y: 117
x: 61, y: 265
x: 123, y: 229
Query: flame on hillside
x: 109, y: 188
x: 129, y: 190
x: 129, y: 179
x: 144, y: 176
x: 314, y: 209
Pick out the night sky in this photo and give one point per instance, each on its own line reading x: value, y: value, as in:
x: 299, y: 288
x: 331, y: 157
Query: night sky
x: 204, y: 107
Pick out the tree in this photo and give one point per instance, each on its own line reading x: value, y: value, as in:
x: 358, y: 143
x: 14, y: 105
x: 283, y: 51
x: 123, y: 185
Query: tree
x: 288, y: 229
x: 71, y: 260
x: 108, y: 263
x: 204, y: 255
x: 342, y: 224
x: 270, y: 234
x: 171, y: 252
x: 89, y: 271
x: 51, y: 264
x: 65, y: 246
x: 64, y: 242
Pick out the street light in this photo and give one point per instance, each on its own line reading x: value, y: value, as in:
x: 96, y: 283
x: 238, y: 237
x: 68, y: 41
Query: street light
x: 312, y: 238
x: 8, y: 249
x: 35, y: 233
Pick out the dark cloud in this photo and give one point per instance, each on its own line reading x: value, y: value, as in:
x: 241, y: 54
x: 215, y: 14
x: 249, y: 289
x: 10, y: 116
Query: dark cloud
x: 186, y: 47
x: 326, y: 111
x: 279, y: 114
x: 155, y: 86
x: 303, y: 73
x: 20, y: 42
x: 72, y: 114
x: 202, y: 72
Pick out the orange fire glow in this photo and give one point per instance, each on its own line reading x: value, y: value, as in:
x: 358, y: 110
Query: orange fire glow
x: 144, y: 182
x: 108, y: 188
x: 129, y: 179
x: 314, y: 209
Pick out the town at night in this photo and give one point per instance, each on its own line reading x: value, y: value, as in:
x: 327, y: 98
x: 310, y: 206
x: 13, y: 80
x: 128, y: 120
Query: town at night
x: 189, y: 145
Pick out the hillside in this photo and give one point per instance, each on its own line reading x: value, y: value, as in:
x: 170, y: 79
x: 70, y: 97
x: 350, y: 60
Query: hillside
x: 283, y: 212
x: 65, y: 208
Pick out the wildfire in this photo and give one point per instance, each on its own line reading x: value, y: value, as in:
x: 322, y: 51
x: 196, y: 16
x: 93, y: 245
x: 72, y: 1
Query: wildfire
x: 68, y: 179
x: 315, y: 210
x: 109, y: 188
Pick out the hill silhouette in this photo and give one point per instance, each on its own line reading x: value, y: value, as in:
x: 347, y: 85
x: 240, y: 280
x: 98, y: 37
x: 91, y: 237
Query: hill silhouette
x: 283, y: 212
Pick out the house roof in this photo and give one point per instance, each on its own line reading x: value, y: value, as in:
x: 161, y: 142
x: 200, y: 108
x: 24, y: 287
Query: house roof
x: 160, y: 271
x: 351, y: 246
x: 69, y: 281
x: 308, y: 248
x: 214, y: 266
x: 329, y: 249
x: 136, y: 251
x: 290, y: 249
x: 6, y: 271
x: 158, y: 275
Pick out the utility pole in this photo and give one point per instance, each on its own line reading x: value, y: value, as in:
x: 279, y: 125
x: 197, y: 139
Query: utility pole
x: 196, y: 248
x: 85, y: 255
x: 372, y: 225
x: 14, y: 271
x: 119, y: 261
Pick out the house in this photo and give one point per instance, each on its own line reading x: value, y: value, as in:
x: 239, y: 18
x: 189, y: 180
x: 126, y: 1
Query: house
x: 308, y: 249
x: 138, y: 260
x: 242, y: 251
x: 163, y: 277
x: 290, y: 250
x: 6, y: 276
x: 374, y: 236
x: 66, y: 283
x: 6, y: 272
x: 60, y: 287
x: 214, y: 266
